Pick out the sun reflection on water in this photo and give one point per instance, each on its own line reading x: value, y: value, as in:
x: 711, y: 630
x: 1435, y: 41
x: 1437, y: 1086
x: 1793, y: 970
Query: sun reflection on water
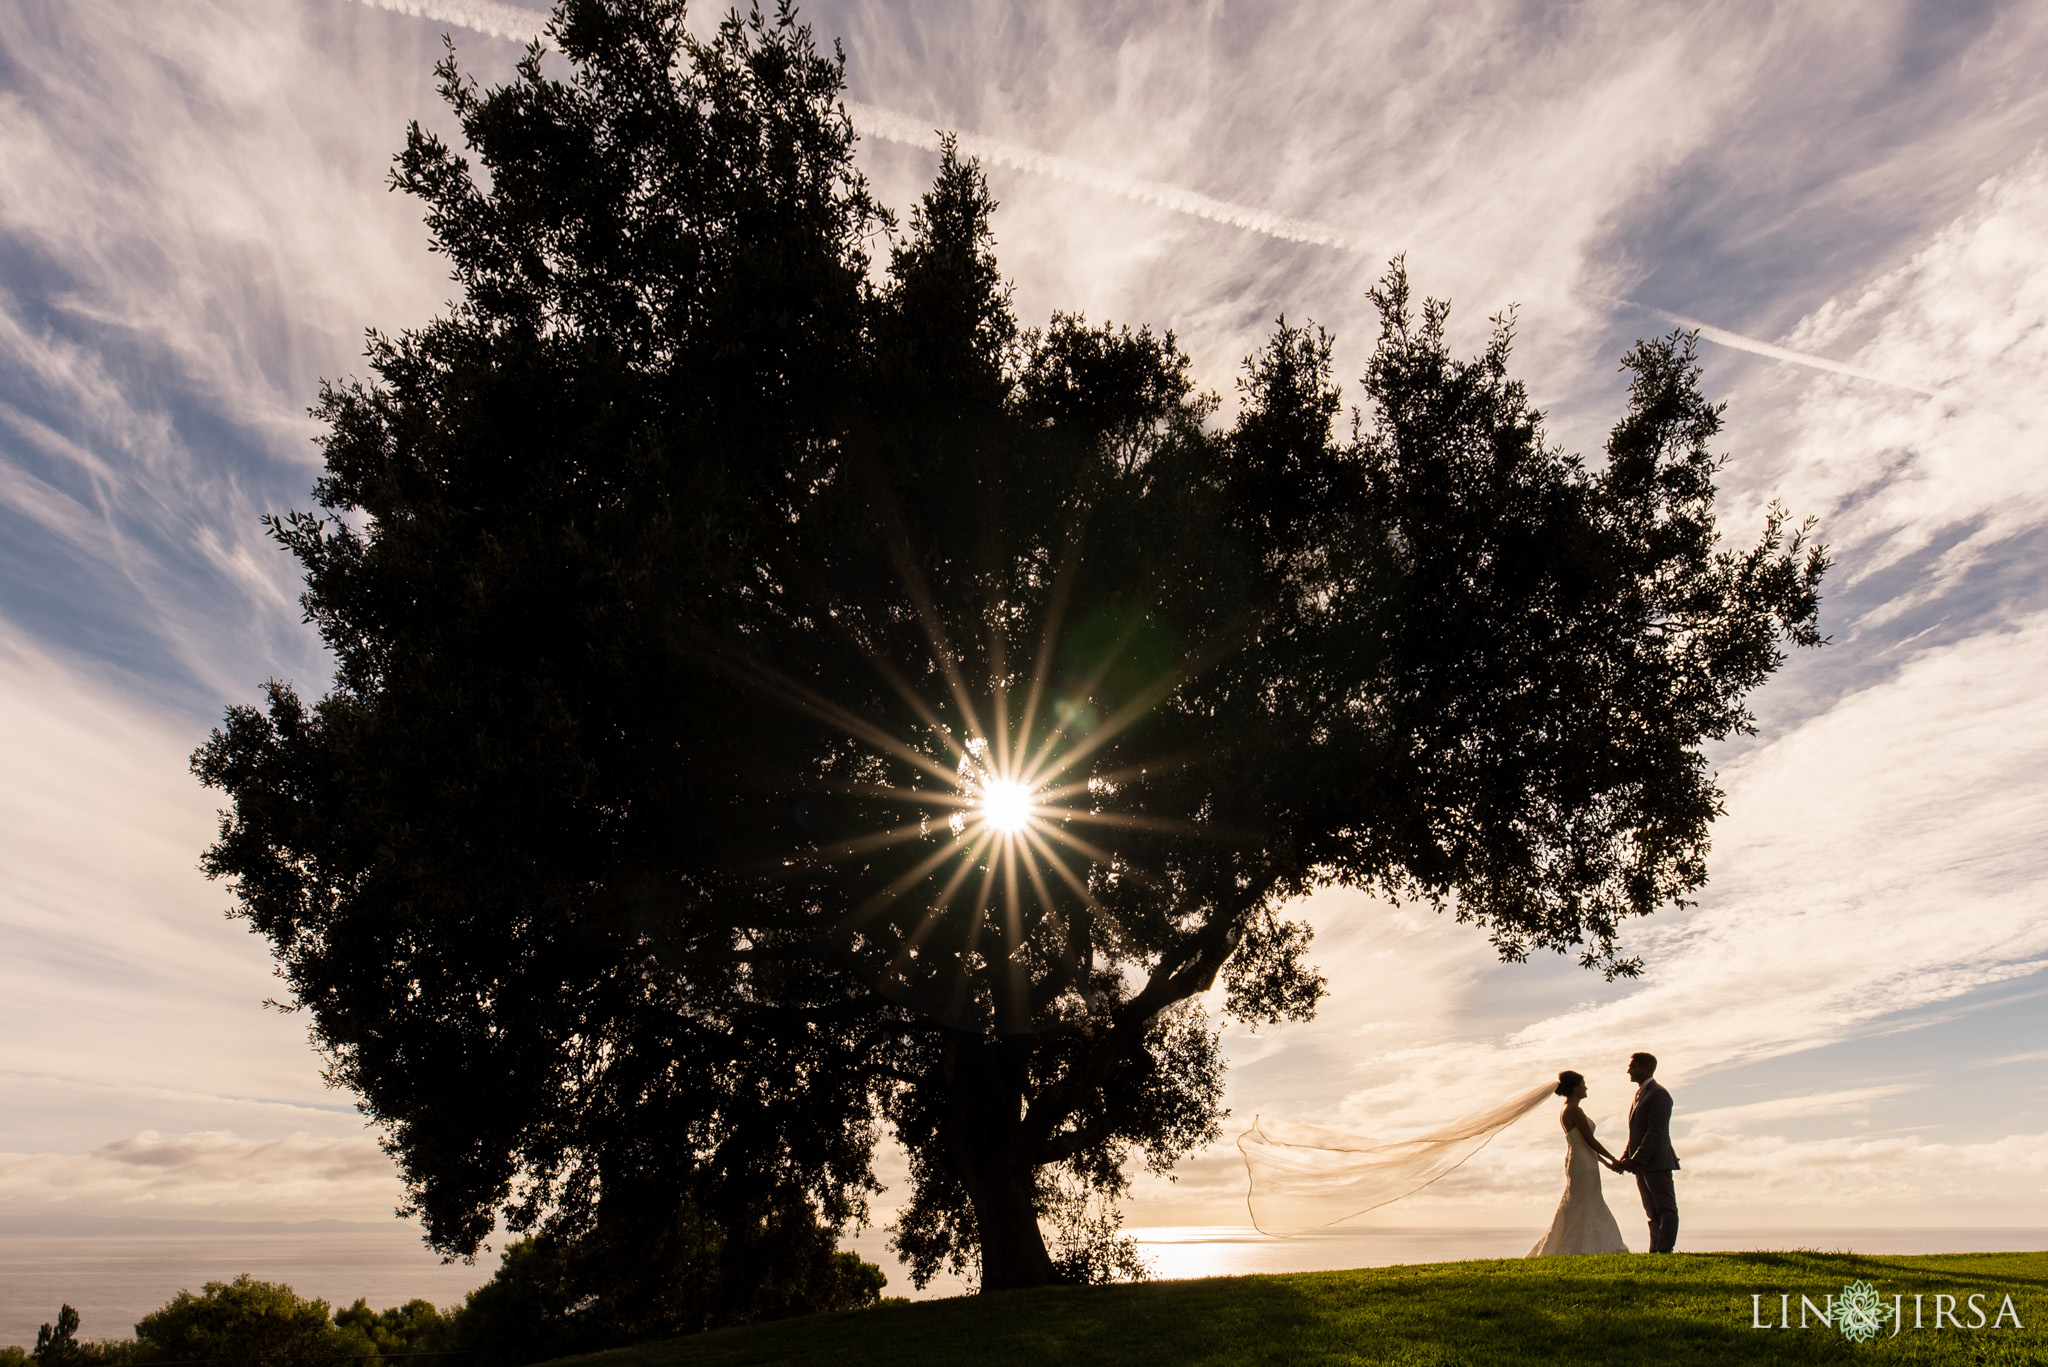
x: 1186, y: 1251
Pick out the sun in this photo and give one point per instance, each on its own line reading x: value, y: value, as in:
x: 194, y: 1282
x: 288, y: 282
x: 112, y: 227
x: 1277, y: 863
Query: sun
x: 1006, y: 806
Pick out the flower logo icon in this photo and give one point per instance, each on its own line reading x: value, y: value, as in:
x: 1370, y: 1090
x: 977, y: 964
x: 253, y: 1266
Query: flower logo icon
x: 1859, y: 1312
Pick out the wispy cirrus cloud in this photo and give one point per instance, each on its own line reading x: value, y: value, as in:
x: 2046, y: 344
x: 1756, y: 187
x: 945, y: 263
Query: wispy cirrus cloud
x: 1881, y: 855
x: 892, y: 125
x: 1965, y: 309
x: 1839, y: 901
x: 126, y: 998
x: 1849, y: 1101
x: 192, y: 233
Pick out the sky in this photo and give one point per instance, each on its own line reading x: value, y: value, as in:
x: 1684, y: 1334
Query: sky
x: 1852, y: 203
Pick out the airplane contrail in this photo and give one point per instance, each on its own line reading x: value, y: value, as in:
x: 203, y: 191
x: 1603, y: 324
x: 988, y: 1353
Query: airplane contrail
x: 511, y: 21
x: 482, y: 16
x: 1778, y: 353
x: 891, y: 126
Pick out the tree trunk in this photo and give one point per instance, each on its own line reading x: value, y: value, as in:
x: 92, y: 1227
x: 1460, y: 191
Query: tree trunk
x: 1012, y: 1249
x: 984, y: 1141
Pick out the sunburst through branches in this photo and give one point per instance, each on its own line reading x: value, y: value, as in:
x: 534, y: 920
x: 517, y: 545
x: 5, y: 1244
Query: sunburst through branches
x: 999, y: 803
x: 980, y: 908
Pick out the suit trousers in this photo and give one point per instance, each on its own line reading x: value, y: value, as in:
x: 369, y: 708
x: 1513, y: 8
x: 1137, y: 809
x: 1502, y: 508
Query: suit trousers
x: 1660, y: 1203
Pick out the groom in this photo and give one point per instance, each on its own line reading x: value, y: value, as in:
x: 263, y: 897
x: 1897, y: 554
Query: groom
x: 1649, y: 1154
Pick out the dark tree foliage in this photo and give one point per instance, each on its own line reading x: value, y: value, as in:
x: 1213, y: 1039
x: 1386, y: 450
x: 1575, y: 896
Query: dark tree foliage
x: 417, y: 1327
x: 701, y: 594
x: 58, y: 1344
x: 243, y: 1318
x: 549, y: 1299
x: 552, y: 1298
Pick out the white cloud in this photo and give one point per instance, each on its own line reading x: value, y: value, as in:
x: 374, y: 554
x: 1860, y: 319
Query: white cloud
x: 1838, y: 1103
x: 214, y: 1175
x: 1880, y: 854
x: 184, y: 261
x: 1891, y: 474
x: 230, y: 206
x: 1904, y: 1179
x: 1494, y: 155
x: 124, y: 993
x: 1883, y: 856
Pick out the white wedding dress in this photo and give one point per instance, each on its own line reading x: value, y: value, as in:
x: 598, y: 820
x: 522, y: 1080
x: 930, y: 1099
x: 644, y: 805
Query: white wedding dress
x: 1583, y: 1223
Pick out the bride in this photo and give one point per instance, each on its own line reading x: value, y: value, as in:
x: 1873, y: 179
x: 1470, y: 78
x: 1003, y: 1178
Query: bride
x: 1583, y: 1224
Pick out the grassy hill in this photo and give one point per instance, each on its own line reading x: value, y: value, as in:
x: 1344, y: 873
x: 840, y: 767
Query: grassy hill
x: 1682, y: 1309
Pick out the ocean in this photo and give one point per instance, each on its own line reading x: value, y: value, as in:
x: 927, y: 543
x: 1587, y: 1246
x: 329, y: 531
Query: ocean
x: 115, y: 1279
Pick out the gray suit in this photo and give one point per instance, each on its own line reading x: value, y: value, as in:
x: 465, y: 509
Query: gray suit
x: 1650, y: 1158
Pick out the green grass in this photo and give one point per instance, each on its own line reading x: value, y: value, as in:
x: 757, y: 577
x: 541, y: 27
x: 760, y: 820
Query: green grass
x: 1680, y: 1309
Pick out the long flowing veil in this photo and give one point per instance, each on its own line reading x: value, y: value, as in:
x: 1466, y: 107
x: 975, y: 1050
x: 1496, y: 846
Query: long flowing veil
x: 1304, y: 1177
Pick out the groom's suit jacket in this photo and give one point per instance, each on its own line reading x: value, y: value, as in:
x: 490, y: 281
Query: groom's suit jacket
x: 1649, y: 1130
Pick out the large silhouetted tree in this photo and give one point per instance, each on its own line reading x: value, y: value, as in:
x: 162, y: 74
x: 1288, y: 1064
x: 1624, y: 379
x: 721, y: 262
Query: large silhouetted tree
x: 777, y: 696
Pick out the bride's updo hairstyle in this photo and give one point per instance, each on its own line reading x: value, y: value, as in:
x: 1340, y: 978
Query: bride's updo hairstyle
x: 1569, y: 1082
